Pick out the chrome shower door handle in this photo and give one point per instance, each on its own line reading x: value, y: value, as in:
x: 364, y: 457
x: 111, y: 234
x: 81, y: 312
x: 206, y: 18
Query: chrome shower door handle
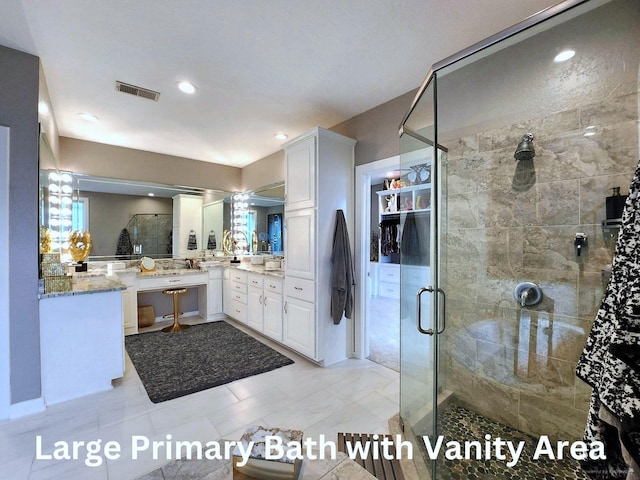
x: 444, y: 311
x: 428, y: 331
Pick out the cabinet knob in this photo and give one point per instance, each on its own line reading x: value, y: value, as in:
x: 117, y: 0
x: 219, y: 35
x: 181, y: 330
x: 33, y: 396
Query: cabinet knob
x: 260, y: 299
x: 298, y: 288
x: 285, y: 307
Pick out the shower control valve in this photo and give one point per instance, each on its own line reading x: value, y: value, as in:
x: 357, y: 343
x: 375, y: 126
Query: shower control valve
x: 580, y: 242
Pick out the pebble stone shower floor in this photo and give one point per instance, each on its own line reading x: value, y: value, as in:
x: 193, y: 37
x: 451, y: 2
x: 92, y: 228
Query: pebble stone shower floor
x: 460, y: 424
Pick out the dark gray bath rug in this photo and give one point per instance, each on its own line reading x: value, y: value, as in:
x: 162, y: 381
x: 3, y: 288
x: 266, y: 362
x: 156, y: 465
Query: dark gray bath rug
x: 204, y: 356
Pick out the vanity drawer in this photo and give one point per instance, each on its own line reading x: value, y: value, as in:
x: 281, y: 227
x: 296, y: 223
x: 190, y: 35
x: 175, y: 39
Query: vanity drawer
x: 238, y: 310
x: 272, y: 284
x: 238, y: 287
x: 238, y: 276
x: 239, y: 297
x: 171, y: 281
x: 300, y: 288
x: 255, y: 280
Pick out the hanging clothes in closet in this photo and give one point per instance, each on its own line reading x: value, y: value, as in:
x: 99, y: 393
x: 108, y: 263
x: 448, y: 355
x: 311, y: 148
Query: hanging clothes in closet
x: 610, y: 362
x: 389, y: 237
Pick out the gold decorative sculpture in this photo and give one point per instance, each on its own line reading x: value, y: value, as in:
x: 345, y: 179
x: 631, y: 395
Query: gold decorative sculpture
x: 45, y: 240
x: 227, y: 245
x: 79, y: 245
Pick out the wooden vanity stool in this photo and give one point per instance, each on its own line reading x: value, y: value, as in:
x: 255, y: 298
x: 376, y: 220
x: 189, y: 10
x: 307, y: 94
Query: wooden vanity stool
x: 176, y: 327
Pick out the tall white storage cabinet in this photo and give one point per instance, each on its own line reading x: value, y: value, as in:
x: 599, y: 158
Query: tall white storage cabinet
x: 318, y: 181
x: 187, y: 216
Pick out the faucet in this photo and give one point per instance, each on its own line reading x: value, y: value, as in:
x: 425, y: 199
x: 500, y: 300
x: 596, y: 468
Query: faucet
x: 527, y: 294
x: 524, y: 296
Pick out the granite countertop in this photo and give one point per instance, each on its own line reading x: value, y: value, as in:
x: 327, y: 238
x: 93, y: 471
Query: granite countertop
x: 172, y: 271
x: 86, y: 284
x: 247, y: 267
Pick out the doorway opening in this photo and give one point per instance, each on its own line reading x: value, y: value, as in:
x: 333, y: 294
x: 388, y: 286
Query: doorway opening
x: 377, y: 335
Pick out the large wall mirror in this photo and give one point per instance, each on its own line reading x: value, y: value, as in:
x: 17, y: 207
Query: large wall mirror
x: 131, y: 219
x: 127, y: 219
x: 245, y: 223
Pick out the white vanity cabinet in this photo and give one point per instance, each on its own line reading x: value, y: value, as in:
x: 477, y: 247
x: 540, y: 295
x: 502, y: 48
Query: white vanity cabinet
x: 299, y: 323
x: 300, y: 243
x: 272, y: 303
x: 214, y: 294
x: 226, y: 292
x: 264, y: 305
x: 238, y: 295
x: 300, y: 173
x: 255, y: 302
x: 129, y: 302
x: 318, y: 181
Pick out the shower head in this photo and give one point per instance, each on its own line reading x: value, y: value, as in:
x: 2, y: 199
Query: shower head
x: 525, y: 150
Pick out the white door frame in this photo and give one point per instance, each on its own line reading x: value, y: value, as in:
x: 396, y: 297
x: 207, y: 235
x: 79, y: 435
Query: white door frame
x: 5, y: 373
x: 362, y: 264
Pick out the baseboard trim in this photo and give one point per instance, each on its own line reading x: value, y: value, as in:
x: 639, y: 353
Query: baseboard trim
x: 28, y: 407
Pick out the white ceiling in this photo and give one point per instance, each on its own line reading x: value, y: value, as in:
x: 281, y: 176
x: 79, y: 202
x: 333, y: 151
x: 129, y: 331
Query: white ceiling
x: 261, y: 66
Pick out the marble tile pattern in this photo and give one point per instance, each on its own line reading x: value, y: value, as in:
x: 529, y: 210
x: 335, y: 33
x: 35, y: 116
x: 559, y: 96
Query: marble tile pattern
x: 507, y: 223
x: 354, y: 395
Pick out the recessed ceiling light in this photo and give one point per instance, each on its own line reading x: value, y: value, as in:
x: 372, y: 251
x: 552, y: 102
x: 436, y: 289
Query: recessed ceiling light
x: 564, y: 56
x: 591, y: 127
x: 589, y: 134
x: 151, y: 194
x: 187, y: 87
x: 88, y: 117
x: 281, y: 136
x: 43, y: 108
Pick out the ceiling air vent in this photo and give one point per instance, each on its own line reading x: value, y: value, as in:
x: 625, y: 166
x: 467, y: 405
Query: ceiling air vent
x: 137, y: 91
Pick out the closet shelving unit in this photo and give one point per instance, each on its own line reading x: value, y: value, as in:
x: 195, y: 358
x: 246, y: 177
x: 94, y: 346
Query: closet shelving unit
x: 410, y: 200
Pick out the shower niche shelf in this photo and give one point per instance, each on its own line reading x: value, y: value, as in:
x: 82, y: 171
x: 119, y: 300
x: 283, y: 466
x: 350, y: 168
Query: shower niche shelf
x: 610, y: 228
x: 414, y: 198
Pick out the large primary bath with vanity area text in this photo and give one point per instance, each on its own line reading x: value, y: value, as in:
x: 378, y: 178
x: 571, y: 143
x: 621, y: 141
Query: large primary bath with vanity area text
x: 454, y: 266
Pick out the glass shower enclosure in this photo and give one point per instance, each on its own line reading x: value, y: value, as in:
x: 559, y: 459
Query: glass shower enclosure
x: 497, y: 300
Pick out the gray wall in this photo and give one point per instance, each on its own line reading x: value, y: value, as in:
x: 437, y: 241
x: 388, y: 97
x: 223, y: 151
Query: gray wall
x: 125, y: 163
x: 19, y: 111
x: 377, y: 129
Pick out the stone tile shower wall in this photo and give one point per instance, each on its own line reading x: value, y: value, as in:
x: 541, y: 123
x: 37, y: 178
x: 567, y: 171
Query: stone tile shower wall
x: 506, y: 224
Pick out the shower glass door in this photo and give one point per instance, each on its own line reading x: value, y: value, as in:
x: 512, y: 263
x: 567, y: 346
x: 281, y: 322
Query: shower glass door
x: 419, y: 308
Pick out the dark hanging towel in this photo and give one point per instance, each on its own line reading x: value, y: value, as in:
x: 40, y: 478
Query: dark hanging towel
x: 610, y: 362
x: 342, y: 277
x: 192, y: 243
x: 124, y: 249
x: 211, y: 242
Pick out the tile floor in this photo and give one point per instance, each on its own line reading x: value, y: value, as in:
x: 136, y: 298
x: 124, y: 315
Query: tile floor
x: 352, y: 396
x: 383, y: 323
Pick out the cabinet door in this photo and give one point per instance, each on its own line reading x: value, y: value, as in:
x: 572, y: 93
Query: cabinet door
x: 227, y: 307
x: 214, y: 297
x: 130, y: 311
x: 300, y: 244
x: 273, y: 315
x: 300, y: 181
x: 299, y: 330
x: 254, y: 308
